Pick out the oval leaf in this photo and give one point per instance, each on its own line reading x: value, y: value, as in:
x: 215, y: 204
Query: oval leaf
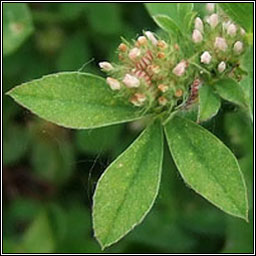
x: 231, y: 91
x: 208, y: 166
x: 128, y: 188
x: 74, y: 100
x: 17, y: 26
x: 242, y: 13
x: 179, y: 14
x: 166, y: 23
x: 209, y: 103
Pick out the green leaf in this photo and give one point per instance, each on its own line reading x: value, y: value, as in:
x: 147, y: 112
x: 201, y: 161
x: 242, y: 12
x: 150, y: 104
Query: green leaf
x: 17, y: 26
x: 74, y: 100
x: 166, y: 23
x: 178, y: 14
x: 241, y: 13
x: 39, y: 236
x: 15, y: 147
x: 247, y: 82
x: 207, y: 166
x: 231, y: 91
x: 209, y: 103
x: 128, y: 188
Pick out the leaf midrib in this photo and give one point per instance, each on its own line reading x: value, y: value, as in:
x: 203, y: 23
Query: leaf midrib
x: 76, y: 102
x: 131, y: 183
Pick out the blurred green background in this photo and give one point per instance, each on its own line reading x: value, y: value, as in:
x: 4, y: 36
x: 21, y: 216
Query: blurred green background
x: 50, y: 173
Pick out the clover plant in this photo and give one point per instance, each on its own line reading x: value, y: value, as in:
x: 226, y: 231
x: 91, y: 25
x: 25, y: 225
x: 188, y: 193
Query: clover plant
x: 175, y: 81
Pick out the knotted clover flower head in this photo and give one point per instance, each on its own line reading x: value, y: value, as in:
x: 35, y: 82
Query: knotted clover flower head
x: 158, y: 75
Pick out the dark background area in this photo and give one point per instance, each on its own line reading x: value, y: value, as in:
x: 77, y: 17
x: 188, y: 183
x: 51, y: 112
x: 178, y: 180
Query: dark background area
x: 50, y: 173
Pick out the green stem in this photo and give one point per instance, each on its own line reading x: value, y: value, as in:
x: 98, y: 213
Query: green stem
x: 198, y: 66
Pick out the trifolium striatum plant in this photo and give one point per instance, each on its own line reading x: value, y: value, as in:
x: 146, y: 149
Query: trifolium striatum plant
x: 173, y: 80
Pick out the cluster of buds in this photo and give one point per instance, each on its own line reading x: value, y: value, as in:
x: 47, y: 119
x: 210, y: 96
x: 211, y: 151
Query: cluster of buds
x: 151, y: 72
x: 219, y: 41
x: 156, y: 74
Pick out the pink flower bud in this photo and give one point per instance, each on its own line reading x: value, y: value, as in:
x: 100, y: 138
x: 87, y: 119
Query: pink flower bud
x: 206, y: 58
x: 142, y: 40
x: 153, y: 69
x: 163, y: 87
x: 131, y: 81
x: 151, y: 37
x: 231, y: 30
x: 213, y: 20
x: 138, y: 99
x: 238, y: 47
x: 199, y: 24
x: 134, y: 53
x: 113, y: 83
x: 242, y: 31
x: 141, y: 98
x: 226, y: 24
x: 197, y: 36
x: 180, y: 68
x: 210, y: 7
x: 162, y: 44
x: 221, y: 44
x: 162, y: 101
x: 221, y: 66
x: 106, y: 66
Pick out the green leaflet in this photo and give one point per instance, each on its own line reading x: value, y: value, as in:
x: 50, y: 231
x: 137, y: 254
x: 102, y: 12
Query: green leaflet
x: 39, y: 237
x: 74, y: 100
x: 247, y: 82
x: 209, y: 103
x: 242, y: 13
x: 207, y: 166
x: 128, y: 188
x: 230, y: 90
x: 179, y: 14
x: 17, y: 26
x: 166, y: 23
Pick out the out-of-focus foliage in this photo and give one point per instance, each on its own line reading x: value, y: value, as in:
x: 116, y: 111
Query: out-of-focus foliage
x: 49, y: 172
x: 17, y: 26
